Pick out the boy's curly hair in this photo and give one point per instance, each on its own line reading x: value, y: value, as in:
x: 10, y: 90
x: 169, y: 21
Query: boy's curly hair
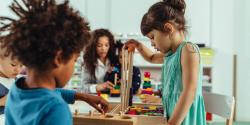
x: 43, y: 29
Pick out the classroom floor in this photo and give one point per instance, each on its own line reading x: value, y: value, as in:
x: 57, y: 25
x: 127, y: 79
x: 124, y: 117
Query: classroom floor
x: 235, y: 123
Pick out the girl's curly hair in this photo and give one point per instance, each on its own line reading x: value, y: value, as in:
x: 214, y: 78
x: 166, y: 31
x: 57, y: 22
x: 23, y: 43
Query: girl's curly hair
x: 43, y: 29
x: 90, y: 56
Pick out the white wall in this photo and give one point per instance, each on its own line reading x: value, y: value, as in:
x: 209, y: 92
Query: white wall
x: 96, y: 14
x: 124, y: 16
x: 4, y: 9
x: 241, y: 47
x: 230, y: 35
x: 222, y: 42
x: 198, y: 21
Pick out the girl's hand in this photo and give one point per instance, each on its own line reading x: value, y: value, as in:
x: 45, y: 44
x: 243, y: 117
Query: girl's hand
x: 132, y: 44
x: 147, y: 53
x: 105, y: 85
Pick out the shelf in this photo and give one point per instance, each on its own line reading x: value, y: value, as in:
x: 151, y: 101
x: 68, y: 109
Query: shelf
x: 77, y: 73
x: 207, y: 85
x: 160, y: 66
x: 128, y: 36
x: 149, y: 65
x: 207, y: 66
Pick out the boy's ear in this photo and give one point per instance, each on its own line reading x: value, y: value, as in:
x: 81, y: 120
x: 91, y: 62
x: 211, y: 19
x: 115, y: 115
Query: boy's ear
x: 168, y: 27
x: 58, y: 59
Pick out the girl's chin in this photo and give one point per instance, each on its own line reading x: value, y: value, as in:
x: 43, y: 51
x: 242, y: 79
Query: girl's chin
x: 164, y: 51
x: 103, y: 56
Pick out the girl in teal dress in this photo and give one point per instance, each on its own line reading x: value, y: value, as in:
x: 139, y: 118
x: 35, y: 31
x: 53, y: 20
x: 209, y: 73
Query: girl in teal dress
x: 164, y: 25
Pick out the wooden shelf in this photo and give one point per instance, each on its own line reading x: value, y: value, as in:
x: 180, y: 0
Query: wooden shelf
x: 207, y: 85
x: 149, y: 65
x: 207, y: 66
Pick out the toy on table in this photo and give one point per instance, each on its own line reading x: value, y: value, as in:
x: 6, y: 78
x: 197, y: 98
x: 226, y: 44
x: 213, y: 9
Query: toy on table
x: 126, y: 79
x: 147, y: 87
x: 105, y: 96
x: 145, y: 110
x: 116, y: 91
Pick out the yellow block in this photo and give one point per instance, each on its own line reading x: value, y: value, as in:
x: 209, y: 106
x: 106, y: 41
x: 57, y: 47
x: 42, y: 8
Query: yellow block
x: 105, y: 96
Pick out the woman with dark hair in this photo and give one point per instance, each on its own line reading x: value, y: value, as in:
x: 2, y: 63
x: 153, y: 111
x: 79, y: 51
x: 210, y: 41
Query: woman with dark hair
x: 98, y: 58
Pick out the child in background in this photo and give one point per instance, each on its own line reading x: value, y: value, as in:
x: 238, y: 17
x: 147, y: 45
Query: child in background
x: 47, y: 38
x: 136, y: 78
x: 164, y: 25
x: 9, y: 68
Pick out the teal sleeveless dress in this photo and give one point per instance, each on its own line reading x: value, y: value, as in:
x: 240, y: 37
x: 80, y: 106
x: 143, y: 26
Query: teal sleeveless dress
x: 172, y: 88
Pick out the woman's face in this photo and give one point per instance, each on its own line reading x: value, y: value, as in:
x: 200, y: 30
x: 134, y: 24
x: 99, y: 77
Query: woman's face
x: 102, y: 47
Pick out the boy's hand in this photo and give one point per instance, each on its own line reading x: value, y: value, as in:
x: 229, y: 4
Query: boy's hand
x: 97, y: 102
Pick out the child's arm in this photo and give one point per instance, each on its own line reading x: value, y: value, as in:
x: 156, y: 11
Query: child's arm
x: 67, y: 95
x: 190, y: 70
x: 146, y: 53
x: 3, y: 101
x: 90, y: 86
x: 70, y: 96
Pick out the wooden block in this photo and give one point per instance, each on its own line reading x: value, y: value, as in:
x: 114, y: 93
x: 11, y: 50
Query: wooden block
x: 142, y: 119
x: 97, y: 119
x: 150, y: 120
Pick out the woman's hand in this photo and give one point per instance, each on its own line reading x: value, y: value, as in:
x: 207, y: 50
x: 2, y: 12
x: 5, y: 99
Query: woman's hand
x: 145, y: 98
x: 105, y: 85
x: 3, y: 101
x: 110, y: 69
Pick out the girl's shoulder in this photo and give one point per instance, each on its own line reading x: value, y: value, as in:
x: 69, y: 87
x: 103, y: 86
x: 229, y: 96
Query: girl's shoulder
x: 189, y: 47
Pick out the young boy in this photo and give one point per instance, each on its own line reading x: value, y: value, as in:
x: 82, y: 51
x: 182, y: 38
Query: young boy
x: 47, y: 38
x: 9, y: 68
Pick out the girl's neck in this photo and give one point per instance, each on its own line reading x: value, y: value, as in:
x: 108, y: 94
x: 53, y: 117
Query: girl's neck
x: 178, y: 38
x: 40, y: 80
x: 103, y: 60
